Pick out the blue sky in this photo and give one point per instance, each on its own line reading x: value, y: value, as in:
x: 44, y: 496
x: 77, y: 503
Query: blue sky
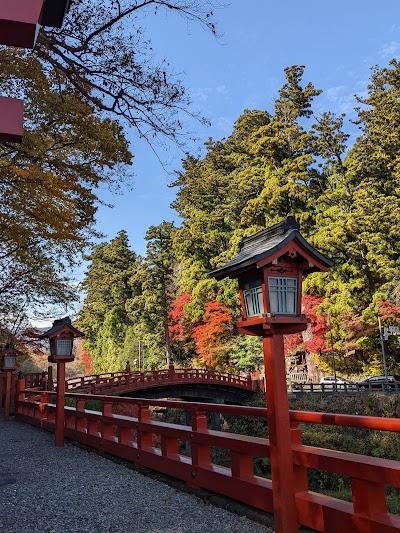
x: 337, y: 41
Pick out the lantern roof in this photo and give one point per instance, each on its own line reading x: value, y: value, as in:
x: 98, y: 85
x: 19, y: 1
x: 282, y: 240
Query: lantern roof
x: 61, y: 325
x: 266, y: 244
x: 10, y: 348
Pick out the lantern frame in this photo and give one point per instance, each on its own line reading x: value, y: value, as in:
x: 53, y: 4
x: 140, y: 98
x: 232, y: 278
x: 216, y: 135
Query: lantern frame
x: 9, y: 355
x: 61, y: 333
x: 279, y: 252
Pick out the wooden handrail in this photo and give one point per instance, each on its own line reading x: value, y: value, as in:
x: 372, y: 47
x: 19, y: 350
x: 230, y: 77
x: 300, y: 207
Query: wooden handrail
x: 153, y: 444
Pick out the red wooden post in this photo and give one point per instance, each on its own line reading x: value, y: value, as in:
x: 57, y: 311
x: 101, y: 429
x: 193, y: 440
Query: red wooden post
x: 285, y: 515
x: 144, y: 438
x: 20, y: 396
x: 60, y: 404
x: 200, y: 452
x: 2, y: 379
x: 50, y: 378
x: 80, y: 424
x: 7, y: 402
x: 107, y: 430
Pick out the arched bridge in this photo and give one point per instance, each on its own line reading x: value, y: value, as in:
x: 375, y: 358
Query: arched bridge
x: 170, y: 383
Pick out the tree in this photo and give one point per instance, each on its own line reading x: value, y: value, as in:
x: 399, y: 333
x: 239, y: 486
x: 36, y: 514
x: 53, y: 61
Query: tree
x: 103, y: 317
x: 103, y: 52
x: 48, y: 185
x: 211, y: 335
x: 151, y: 308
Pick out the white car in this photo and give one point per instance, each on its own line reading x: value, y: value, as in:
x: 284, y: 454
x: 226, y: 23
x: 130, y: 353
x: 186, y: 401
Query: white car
x: 327, y: 383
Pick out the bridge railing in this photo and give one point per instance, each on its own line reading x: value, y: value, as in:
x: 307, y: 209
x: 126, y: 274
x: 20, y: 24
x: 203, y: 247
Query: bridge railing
x: 127, y: 428
x: 123, y: 381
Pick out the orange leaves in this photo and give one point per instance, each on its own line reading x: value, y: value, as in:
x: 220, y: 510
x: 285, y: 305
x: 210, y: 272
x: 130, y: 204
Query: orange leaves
x: 213, y: 332
x: 178, y: 326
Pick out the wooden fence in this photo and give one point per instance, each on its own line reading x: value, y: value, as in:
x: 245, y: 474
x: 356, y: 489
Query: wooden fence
x: 137, y: 437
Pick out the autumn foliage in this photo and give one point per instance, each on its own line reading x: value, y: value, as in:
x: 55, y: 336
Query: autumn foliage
x: 211, y: 334
x: 319, y: 322
x: 178, y: 326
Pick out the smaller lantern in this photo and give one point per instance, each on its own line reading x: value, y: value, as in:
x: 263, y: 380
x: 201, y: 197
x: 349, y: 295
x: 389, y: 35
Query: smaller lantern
x: 269, y: 268
x: 61, y: 336
x: 9, y: 355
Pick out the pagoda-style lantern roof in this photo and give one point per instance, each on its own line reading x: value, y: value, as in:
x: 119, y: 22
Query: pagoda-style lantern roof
x: 269, y: 244
x: 61, y: 336
x: 269, y: 267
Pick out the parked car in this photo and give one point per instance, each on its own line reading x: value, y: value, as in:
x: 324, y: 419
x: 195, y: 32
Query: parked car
x: 328, y: 382
x: 380, y: 383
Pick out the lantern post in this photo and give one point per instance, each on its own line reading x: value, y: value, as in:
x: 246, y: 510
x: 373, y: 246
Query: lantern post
x: 61, y: 337
x: 269, y: 268
x: 9, y: 355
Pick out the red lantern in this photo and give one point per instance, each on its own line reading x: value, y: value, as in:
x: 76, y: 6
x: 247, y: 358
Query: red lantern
x: 9, y: 355
x: 269, y: 267
x: 61, y: 336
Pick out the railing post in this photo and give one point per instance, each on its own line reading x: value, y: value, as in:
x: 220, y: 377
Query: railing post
x: 144, y: 439
x: 20, y: 395
x: 369, y: 498
x: 241, y: 464
x: 7, y: 402
x: 200, y: 452
x: 107, y: 430
x: 80, y: 421
x: 299, y: 471
x: 50, y: 384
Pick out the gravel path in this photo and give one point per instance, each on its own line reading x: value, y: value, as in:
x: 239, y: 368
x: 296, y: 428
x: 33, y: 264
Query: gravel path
x: 44, y: 489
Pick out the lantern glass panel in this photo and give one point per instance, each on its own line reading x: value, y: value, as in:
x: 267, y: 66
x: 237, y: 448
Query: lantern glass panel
x: 282, y: 295
x: 253, y: 299
x: 64, y: 347
x: 9, y: 361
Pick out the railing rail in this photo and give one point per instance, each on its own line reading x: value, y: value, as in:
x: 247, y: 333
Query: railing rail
x: 136, y: 436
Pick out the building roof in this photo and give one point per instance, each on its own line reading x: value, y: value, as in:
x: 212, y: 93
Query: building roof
x: 266, y: 243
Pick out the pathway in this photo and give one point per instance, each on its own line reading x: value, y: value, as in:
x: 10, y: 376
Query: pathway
x: 44, y: 489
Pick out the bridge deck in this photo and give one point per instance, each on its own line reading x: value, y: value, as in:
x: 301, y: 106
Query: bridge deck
x: 65, y: 490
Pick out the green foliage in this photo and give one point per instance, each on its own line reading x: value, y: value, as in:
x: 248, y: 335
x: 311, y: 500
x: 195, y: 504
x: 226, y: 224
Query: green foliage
x: 103, y: 317
x: 247, y: 354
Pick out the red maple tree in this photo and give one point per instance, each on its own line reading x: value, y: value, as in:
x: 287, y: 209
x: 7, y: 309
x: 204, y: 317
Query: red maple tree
x: 319, y: 324
x: 178, y: 325
x: 214, y: 330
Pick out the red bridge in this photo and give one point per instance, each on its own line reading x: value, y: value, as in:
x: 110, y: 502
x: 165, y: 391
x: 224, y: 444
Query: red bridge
x: 171, y: 383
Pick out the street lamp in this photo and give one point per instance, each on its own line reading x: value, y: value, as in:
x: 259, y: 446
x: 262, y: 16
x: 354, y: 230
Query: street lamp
x: 269, y: 268
x: 8, y: 365
x: 61, y: 336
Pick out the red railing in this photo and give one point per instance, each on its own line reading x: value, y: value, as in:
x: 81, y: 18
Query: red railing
x: 122, y: 381
x: 32, y: 380
x: 139, y: 438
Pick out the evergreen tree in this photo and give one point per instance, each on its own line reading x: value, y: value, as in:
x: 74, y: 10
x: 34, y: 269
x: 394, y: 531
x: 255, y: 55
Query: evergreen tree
x: 150, y: 308
x: 103, y: 317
